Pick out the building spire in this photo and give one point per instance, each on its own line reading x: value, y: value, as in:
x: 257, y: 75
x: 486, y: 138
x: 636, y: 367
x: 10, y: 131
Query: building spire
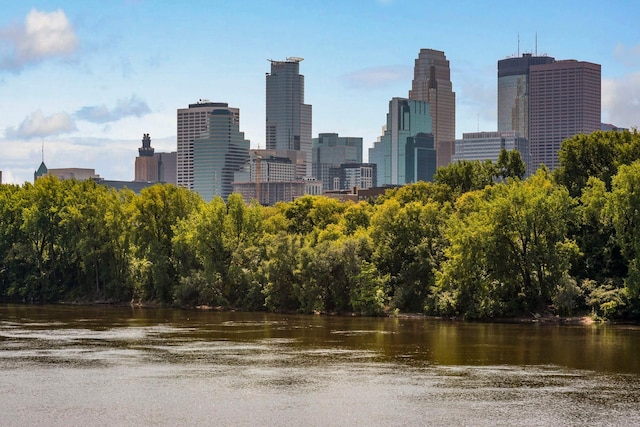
x: 146, y: 150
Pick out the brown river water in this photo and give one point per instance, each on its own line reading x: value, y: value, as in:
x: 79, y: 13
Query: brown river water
x: 123, y: 366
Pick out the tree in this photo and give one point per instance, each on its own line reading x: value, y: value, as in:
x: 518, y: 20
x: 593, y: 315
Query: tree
x: 279, y: 271
x: 466, y: 176
x: 510, y: 165
x: 598, y: 154
x: 408, y: 247
x: 622, y: 207
x: 156, y: 211
x: 508, y: 249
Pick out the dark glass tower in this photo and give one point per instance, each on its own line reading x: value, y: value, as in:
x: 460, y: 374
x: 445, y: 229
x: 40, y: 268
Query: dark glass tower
x: 288, y: 118
x: 513, y: 92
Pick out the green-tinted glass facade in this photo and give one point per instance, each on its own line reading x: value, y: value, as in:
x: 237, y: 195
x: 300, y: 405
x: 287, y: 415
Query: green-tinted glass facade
x: 219, y: 152
x: 406, y: 119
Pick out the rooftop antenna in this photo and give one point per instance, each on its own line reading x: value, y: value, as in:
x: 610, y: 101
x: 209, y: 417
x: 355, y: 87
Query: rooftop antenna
x: 536, y: 43
x: 518, y: 44
x: 43, y: 151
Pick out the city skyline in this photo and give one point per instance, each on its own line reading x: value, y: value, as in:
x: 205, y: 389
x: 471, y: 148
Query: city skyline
x: 87, y: 80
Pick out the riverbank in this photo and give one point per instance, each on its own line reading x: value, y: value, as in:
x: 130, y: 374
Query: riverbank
x: 546, y: 318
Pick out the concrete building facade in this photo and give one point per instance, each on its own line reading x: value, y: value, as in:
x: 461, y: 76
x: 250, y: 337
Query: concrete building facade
x: 270, y: 176
x: 564, y: 100
x: 146, y: 166
x: 352, y: 175
x: 329, y: 150
x: 487, y: 146
x: 167, y: 163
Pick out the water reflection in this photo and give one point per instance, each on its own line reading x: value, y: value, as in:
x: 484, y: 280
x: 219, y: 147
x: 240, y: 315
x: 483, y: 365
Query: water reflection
x: 120, y: 366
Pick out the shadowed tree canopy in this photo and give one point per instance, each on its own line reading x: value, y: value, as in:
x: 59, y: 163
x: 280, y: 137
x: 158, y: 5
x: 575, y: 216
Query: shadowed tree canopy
x: 598, y: 155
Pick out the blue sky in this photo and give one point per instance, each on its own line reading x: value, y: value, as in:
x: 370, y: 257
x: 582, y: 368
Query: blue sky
x: 88, y: 78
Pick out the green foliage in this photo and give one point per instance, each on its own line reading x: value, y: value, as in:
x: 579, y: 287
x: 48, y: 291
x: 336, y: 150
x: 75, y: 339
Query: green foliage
x: 605, y: 300
x: 508, y: 249
x: 155, y: 213
x: 279, y: 271
x: 598, y: 155
x: 465, y: 176
x: 568, y: 294
x: 369, y: 292
x: 479, y: 242
x: 408, y: 248
x: 510, y: 165
x: 622, y: 208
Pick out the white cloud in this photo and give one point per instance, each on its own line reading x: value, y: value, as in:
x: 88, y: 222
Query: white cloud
x: 133, y: 106
x: 621, y: 100
x: 36, y: 125
x: 42, y: 36
x: 378, y: 77
x: 627, y: 55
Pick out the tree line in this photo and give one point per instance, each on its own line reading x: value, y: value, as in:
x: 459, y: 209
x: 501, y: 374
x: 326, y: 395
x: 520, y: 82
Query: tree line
x: 478, y: 242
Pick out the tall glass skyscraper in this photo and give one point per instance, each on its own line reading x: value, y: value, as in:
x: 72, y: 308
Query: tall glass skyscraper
x: 405, y: 153
x: 432, y: 83
x: 288, y: 118
x: 513, y: 92
x: 218, y: 153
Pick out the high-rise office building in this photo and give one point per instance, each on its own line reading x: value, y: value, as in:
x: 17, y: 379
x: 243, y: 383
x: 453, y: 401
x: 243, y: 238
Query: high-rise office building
x: 564, y: 100
x: 513, y: 92
x: 398, y: 153
x: 329, y: 151
x: 218, y: 153
x: 288, y: 118
x: 192, y: 122
x: 146, y: 166
x: 547, y: 101
x: 432, y: 84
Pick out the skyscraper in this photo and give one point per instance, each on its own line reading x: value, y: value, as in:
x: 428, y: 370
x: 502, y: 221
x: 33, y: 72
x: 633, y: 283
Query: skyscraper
x: 547, y: 101
x: 218, y: 153
x: 146, y: 166
x: 329, y: 150
x: 513, y: 92
x: 288, y: 118
x: 398, y: 153
x: 564, y: 100
x: 432, y: 84
x: 192, y: 122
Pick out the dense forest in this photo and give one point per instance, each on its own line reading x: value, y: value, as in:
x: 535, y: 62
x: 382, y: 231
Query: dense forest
x: 478, y: 242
